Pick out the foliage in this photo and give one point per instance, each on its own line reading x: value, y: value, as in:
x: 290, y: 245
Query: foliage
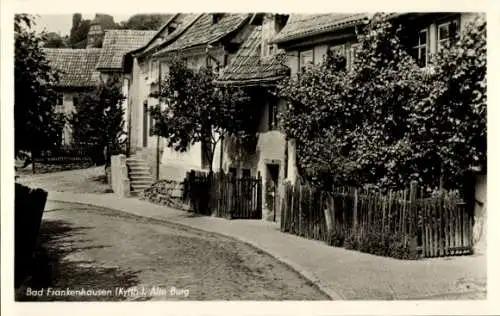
x: 452, y: 118
x: 386, y: 122
x: 54, y: 40
x: 195, y: 110
x: 145, y: 22
x: 37, y: 126
x: 336, y: 238
x: 375, y: 242
x: 98, y: 118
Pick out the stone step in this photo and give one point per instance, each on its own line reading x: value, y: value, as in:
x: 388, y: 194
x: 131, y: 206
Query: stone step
x: 140, y: 188
x: 137, y: 163
x: 135, y: 182
x: 141, y: 177
x: 139, y: 168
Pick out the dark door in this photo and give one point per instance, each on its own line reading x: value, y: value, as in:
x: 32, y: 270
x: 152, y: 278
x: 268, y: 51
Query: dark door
x: 145, y: 124
x: 273, y: 171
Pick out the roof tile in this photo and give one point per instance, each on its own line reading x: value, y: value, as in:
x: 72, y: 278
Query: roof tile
x: 77, y: 66
x: 119, y: 42
x: 248, y: 66
x: 204, y: 31
x: 303, y: 25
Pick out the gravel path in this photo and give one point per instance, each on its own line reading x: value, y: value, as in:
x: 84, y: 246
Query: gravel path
x: 101, y: 249
x: 90, y: 180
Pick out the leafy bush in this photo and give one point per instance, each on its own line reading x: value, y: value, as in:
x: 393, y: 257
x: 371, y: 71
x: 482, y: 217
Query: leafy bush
x: 336, y: 238
x: 373, y: 241
x: 351, y: 241
x: 389, y: 245
x: 385, y: 121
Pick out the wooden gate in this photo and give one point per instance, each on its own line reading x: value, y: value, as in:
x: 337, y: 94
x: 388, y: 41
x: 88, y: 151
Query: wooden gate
x: 224, y: 195
x: 446, y: 227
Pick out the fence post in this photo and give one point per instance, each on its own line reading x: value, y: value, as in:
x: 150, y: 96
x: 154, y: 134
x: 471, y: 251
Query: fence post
x: 355, y: 211
x: 412, y: 211
x: 259, y: 195
x: 326, y: 209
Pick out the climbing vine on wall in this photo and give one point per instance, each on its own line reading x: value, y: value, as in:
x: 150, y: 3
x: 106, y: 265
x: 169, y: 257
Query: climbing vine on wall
x: 385, y: 121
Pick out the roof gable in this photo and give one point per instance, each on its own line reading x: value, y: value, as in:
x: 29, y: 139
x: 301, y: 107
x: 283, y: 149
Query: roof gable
x: 119, y: 42
x: 249, y: 67
x: 77, y: 67
x: 300, y: 26
x: 204, y: 31
x: 162, y: 38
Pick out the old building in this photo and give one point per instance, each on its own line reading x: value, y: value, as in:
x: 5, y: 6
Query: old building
x: 115, y: 45
x: 257, y: 67
x: 302, y: 43
x: 144, y: 79
x: 78, y: 74
x: 204, y: 40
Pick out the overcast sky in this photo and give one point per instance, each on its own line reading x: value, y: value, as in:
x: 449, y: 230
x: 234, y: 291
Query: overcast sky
x: 61, y: 23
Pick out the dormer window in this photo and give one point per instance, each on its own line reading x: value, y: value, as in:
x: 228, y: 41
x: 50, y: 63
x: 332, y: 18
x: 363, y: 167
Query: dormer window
x: 171, y: 29
x: 280, y: 21
x: 216, y: 17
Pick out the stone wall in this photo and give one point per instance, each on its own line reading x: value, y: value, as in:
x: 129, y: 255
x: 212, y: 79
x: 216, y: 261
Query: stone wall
x: 120, y: 183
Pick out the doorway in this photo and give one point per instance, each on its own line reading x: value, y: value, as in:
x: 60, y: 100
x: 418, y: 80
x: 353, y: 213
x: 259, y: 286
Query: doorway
x: 145, y: 124
x: 272, y: 177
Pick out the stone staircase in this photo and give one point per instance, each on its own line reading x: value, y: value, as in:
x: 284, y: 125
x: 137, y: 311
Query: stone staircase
x: 139, y: 174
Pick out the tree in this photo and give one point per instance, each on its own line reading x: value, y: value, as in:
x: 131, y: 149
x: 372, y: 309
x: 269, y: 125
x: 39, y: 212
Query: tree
x: 145, y: 22
x: 37, y: 126
x: 54, y: 40
x: 98, y: 117
x: 386, y: 122
x: 195, y: 110
x: 453, y: 115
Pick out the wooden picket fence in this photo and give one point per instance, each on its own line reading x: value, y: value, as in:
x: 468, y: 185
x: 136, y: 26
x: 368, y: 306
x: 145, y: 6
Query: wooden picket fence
x: 68, y: 157
x: 223, y: 195
x: 434, y: 226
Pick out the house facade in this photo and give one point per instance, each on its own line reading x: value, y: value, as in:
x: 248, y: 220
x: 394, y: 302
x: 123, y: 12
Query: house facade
x: 78, y: 74
x: 145, y: 75
x: 83, y: 69
x: 204, y: 40
x: 116, y: 44
x: 304, y: 41
x: 257, y: 67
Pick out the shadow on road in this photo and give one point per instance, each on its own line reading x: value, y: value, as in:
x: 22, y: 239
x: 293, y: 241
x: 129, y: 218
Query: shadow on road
x: 58, y: 241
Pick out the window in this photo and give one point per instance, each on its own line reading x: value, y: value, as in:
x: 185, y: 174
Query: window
x: 246, y: 173
x: 341, y: 50
x: 306, y: 60
x: 60, y: 99
x: 146, y: 67
x: 420, y: 47
x: 232, y: 172
x: 151, y: 124
x: 216, y: 17
x: 446, y: 32
x: 351, y: 54
x: 271, y: 50
x: 154, y: 70
x: 273, y: 114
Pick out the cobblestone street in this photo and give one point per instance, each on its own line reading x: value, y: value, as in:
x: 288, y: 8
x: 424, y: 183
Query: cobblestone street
x: 100, y: 249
